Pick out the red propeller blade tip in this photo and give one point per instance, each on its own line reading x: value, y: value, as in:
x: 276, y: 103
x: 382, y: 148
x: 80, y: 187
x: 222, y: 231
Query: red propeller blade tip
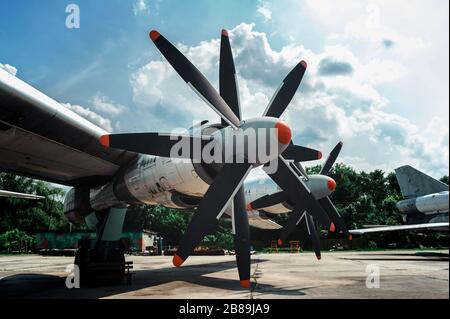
x: 332, y: 228
x: 224, y: 33
x: 249, y: 206
x: 284, y: 133
x: 302, y: 62
x: 154, y: 35
x: 331, y: 184
x: 280, y: 242
x: 104, y: 140
x: 177, y: 260
x: 319, y: 257
x: 350, y: 237
x: 245, y: 283
x: 319, y: 155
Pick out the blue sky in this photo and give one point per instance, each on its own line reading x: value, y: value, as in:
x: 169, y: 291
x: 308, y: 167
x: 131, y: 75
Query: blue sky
x: 390, y: 106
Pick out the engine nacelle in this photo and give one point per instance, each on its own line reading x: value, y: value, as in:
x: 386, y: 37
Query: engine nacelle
x: 77, y: 204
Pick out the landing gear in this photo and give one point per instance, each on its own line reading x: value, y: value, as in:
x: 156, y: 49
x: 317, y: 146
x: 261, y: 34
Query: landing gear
x: 100, y: 265
x: 102, y: 261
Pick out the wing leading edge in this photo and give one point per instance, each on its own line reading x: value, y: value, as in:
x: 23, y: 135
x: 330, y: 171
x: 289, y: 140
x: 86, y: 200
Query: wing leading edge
x: 19, y: 195
x: 436, y: 226
x: 42, y: 139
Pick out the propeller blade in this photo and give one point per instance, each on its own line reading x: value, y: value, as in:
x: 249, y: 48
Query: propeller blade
x: 158, y: 144
x: 332, y: 212
x: 194, y: 78
x: 289, y: 226
x: 331, y: 159
x: 300, y: 168
x: 301, y: 154
x: 312, y: 231
x: 297, y: 191
x: 241, y: 233
x: 227, y: 76
x: 211, y: 208
x: 286, y: 91
x: 267, y: 201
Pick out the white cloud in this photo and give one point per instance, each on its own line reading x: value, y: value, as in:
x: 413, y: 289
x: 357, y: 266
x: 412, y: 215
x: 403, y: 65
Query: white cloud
x: 376, y: 21
x: 159, y: 89
x: 263, y: 10
x: 140, y: 6
x: 368, y: 27
x: 90, y: 116
x: 325, y: 109
x: 8, y: 68
x: 105, y: 105
x: 383, y: 71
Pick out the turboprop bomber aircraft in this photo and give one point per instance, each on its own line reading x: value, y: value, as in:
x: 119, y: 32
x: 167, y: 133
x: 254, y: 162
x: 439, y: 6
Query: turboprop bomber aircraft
x: 108, y: 172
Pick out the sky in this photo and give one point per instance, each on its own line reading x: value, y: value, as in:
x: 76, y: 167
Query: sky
x: 377, y: 76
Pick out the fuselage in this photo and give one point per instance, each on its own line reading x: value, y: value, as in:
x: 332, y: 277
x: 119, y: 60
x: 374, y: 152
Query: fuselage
x: 428, y: 204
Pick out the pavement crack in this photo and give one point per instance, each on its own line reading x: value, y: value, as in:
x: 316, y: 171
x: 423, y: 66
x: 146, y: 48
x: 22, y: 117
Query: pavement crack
x: 255, y: 276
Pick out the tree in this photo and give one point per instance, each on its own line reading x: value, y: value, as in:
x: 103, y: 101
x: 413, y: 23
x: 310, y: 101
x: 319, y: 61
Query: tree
x: 171, y: 225
x: 30, y: 215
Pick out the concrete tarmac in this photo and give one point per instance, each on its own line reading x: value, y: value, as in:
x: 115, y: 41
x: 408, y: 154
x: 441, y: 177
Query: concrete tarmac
x: 402, y: 274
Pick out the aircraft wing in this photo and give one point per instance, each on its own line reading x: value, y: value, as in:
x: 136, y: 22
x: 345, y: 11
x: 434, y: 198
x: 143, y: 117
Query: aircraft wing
x: 262, y: 223
x: 42, y: 139
x: 443, y: 226
x: 19, y: 195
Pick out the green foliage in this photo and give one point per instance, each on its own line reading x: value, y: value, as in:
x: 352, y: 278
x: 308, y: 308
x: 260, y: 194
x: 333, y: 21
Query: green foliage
x: 30, y: 215
x: 222, y: 238
x: 16, y: 241
x: 372, y: 245
x: 366, y: 198
x: 444, y: 179
x: 171, y: 225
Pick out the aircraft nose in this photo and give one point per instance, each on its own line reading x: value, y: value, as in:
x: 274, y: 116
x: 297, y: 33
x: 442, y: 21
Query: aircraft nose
x: 331, y: 184
x: 284, y: 133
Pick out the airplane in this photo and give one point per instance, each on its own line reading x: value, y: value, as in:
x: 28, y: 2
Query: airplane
x: 4, y: 193
x: 425, y: 203
x: 108, y: 172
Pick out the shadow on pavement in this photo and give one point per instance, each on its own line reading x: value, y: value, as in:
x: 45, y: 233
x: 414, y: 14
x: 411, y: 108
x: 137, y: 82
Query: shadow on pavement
x: 418, y: 256
x: 36, y: 286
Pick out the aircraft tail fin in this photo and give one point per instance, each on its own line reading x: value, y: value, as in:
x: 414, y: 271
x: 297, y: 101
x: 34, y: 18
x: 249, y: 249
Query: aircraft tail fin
x: 414, y: 183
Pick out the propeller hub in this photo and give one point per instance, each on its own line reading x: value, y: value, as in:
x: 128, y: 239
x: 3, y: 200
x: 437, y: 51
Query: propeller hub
x: 331, y: 184
x: 257, y: 140
x: 284, y: 132
x: 321, y: 185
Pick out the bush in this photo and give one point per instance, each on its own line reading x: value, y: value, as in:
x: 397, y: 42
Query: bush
x: 372, y: 245
x: 16, y: 241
